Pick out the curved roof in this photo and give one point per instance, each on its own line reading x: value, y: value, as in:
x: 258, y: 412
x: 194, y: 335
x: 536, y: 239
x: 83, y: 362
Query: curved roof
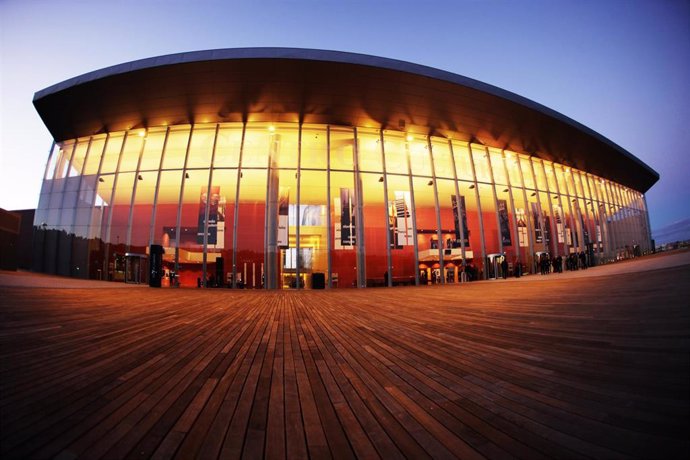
x: 316, y: 86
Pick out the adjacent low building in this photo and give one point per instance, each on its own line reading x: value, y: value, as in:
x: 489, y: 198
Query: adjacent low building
x: 286, y: 168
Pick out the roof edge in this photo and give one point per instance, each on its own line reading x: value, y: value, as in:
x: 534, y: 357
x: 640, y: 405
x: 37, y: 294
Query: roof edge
x: 339, y: 57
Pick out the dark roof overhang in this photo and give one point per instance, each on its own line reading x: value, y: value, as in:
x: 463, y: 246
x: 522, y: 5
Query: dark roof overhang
x: 315, y: 86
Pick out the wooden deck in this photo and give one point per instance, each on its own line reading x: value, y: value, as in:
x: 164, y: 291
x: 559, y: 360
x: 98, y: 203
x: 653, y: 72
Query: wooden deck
x: 591, y: 367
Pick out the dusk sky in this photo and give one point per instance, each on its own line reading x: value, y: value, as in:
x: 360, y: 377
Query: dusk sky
x: 621, y: 68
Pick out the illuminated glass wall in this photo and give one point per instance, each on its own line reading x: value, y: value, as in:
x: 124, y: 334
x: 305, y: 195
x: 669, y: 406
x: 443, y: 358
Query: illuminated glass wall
x: 258, y: 205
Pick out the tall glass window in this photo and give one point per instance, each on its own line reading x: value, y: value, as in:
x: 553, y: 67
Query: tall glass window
x: 450, y: 230
x: 130, y: 155
x: 313, y: 228
x: 343, y: 204
x: 419, y: 156
x: 257, y: 145
x: 428, y: 243
x: 473, y: 236
x: 449, y: 243
x: 481, y: 164
x: 153, y: 149
x: 570, y: 236
x: 443, y: 163
x: 165, y: 221
x: 396, y: 153
x: 375, y: 228
x: 222, y: 211
x: 401, y: 226
x: 369, y: 150
x: 463, y: 165
x: 116, y: 236
x: 314, y: 148
x: 401, y: 214
x: 293, y: 261
x: 284, y: 207
x: 491, y: 235
x: 250, y: 231
x: 176, y: 147
x: 374, y: 206
x: 142, y: 207
x: 71, y: 199
x: 228, y: 145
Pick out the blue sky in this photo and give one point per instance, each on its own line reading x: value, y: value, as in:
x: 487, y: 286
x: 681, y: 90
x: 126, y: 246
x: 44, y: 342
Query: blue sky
x: 620, y: 67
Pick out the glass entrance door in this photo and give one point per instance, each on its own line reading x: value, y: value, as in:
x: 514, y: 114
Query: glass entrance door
x: 494, y: 268
x: 136, y: 266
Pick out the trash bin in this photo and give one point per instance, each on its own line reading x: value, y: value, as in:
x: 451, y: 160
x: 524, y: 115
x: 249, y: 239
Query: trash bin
x: 318, y: 280
x: 156, y: 265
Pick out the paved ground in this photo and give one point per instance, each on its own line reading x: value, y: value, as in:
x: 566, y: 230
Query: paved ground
x: 658, y: 261
x: 572, y: 366
x: 653, y: 262
x: 40, y: 280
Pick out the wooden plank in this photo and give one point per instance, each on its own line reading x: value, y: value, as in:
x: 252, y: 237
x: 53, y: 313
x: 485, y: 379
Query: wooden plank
x: 597, y: 368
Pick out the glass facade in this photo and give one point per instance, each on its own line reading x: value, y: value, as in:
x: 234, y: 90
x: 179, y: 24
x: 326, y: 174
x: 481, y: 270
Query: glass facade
x: 284, y: 205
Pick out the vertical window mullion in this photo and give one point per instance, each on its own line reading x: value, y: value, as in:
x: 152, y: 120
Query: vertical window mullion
x: 237, y: 207
x: 387, y: 227
x: 329, y: 222
x: 414, y: 213
x: 439, y: 235
x: 209, y: 197
x: 528, y: 216
x: 493, y: 193
x: 359, y: 228
x: 154, y: 209
x: 106, y: 259
x: 459, y: 210
x: 479, y: 211
x: 298, y: 222
x: 128, y: 238
x: 516, y: 237
x: 179, y: 205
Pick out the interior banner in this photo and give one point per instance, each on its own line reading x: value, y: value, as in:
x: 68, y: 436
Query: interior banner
x: 212, y: 215
x: 537, y: 219
x: 547, y: 230
x: 347, y: 219
x: 599, y: 240
x: 460, y: 211
x: 521, y: 227
x: 504, y: 222
x: 220, y: 225
x: 585, y: 230
x: 559, y: 223
x: 283, y: 217
x: 401, y: 220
